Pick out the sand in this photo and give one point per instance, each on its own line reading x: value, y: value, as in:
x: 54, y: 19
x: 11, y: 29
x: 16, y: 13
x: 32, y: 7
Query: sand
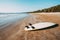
x: 16, y: 31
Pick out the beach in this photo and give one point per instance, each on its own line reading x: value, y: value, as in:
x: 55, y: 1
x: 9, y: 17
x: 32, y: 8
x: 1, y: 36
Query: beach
x: 15, y: 31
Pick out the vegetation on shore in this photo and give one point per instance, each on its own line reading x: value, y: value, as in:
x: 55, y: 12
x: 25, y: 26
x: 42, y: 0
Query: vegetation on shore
x: 51, y: 9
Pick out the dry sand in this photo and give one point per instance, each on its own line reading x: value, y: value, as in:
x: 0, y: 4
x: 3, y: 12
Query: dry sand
x: 16, y: 31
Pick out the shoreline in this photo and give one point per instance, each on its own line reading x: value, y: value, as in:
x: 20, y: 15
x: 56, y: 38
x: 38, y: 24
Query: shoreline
x: 39, y: 35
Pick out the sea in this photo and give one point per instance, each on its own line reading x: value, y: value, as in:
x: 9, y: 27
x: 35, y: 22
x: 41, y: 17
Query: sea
x: 6, y: 18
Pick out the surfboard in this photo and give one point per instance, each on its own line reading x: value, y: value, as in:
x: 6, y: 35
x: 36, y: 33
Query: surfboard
x: 40, y: 25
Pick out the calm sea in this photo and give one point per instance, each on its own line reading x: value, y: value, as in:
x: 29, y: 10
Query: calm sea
x: 6, y: 18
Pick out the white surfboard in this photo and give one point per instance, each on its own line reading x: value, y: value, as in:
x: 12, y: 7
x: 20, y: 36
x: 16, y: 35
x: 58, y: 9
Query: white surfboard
x: 40, y: 25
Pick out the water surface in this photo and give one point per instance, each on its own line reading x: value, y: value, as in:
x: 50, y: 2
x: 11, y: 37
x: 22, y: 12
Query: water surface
x: 9, y: 18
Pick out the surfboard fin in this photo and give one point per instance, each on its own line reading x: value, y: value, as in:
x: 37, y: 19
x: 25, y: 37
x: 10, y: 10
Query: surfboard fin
x: 30, y: 24
x: 27, y: 26
x: 33, y: 27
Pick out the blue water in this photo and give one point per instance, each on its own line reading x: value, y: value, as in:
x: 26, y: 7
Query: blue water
x: 8, y: 18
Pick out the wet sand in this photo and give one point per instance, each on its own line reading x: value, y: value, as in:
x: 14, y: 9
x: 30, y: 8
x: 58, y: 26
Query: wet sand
x: 16, y: 30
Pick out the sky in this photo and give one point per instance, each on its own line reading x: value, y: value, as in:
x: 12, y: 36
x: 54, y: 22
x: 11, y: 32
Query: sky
x: 13, y: 6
